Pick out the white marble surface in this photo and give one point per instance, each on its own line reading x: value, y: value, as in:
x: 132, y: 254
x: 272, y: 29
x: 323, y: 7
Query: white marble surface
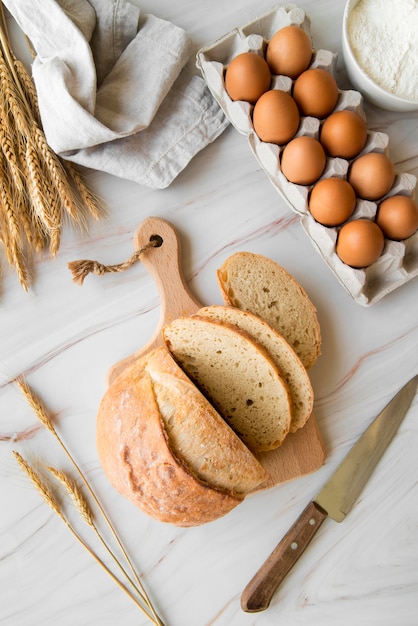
x: 64, y: 338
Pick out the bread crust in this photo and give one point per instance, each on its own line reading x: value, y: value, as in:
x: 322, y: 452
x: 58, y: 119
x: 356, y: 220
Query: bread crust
x: 135, y: 455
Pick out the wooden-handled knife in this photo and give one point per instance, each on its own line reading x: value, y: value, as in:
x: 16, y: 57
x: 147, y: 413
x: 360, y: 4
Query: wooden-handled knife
x: 334, y: 500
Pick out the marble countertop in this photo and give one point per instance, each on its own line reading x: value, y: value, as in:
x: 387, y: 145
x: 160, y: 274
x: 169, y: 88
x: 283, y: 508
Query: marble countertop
x: 64, y: 338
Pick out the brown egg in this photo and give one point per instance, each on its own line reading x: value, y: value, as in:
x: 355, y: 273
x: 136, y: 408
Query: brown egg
x: 276, y: 117
x: 343, y: 134
x: 332, y: 201
x: 360, y: 243
x: 371, y: 175
x: 247, y: 77
x: 397, y: 216
x: 303, y: 160
x: 315, y: 92
x: 289, y: 51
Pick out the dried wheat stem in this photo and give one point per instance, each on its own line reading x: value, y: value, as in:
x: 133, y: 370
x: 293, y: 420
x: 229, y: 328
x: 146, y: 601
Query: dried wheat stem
x: 111, y: 574
x: 50, y: 499
x: 13, y: 120
x: 40, y: 184
x: 140, y: 587
x: 86, y: 513
x: 36, y: 405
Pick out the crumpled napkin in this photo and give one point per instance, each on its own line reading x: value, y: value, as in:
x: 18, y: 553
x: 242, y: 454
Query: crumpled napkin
x: 114, y: 91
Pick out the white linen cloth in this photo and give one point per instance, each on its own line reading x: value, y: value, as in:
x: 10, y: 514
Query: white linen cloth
x: 114, y: 91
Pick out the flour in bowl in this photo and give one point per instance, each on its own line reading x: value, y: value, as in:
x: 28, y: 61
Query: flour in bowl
x: 383, y: 36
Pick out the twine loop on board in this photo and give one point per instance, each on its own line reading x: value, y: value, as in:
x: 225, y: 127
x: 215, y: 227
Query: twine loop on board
x: 82, y: 268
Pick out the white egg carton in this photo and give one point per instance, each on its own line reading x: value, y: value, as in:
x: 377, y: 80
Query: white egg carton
x: 399, y: 260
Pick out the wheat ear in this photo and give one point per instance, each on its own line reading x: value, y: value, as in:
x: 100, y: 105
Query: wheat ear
x: 42, y: 186
x: 75, y: 494
x: 50, y: 499
x: 36, y: 405
x: 41, y: 487
x: 90, y: 200
x: 39, y: 410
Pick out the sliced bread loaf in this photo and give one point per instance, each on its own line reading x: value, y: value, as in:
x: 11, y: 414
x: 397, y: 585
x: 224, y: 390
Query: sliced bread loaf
x: 237, y: 375
x: 197, y: 434
x: 164, y: 447
x: 283, y: 355
x: 255, y: 283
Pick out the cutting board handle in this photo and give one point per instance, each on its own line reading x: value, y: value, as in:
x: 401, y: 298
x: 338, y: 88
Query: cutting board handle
x: 163, y: 261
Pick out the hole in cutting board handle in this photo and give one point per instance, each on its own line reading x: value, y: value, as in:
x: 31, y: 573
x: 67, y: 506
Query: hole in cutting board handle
x: 157, y: 239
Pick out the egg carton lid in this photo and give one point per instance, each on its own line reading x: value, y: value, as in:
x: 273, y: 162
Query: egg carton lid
x: 399, y: 260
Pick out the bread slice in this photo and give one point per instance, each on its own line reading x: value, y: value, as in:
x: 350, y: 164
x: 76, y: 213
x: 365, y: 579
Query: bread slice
x: 255, y: 283
x: 237, y: 375
x: 286, y: 359
x: 143, y: 433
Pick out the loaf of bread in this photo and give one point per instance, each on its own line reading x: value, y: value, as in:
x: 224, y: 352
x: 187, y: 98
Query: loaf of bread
x: 165, y: 448
x: 255, y: 283
x: 286, y: 359
x: 180, y: 429
x: 237, y: 375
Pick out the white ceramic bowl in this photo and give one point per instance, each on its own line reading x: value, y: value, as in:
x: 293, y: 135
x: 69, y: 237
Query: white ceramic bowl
x: 362, y: 82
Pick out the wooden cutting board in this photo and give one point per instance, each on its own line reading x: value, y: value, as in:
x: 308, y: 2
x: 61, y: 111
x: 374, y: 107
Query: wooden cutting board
x: 302, y: 452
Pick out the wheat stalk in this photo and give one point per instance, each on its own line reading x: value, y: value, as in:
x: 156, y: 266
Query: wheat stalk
x: 39, y: 410
x: 86, y: 514
x: 42, y: 186
x: 49, y: 497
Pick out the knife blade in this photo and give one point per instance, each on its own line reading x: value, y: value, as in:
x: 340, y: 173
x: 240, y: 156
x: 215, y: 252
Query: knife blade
x: 334, y: 500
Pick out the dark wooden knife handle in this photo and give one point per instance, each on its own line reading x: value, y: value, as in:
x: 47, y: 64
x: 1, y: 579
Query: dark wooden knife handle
x: 260, y: 590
